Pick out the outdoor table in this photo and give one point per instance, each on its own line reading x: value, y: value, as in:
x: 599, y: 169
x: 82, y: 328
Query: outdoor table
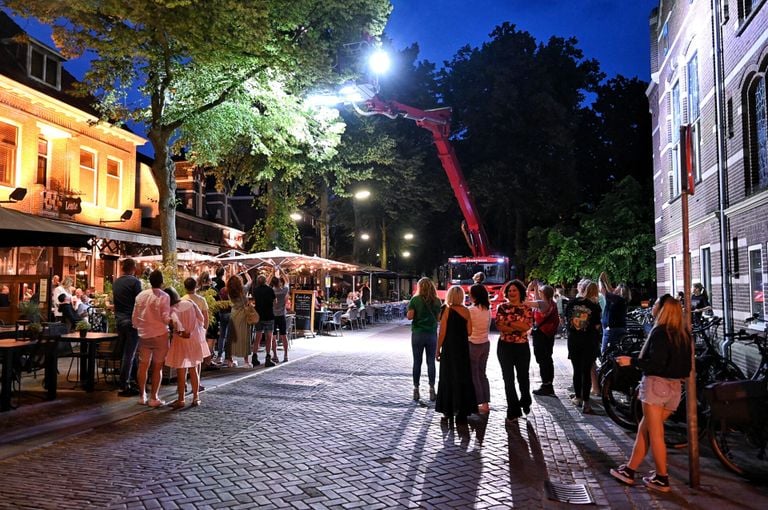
x: 8, y: 347
x: 88, y: 344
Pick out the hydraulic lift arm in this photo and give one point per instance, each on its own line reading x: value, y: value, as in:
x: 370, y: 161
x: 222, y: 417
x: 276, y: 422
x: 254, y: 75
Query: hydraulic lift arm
x: 438, y: 122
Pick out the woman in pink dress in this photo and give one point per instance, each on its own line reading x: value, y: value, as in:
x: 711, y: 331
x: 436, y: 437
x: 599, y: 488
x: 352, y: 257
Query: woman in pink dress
x: 188, y: 346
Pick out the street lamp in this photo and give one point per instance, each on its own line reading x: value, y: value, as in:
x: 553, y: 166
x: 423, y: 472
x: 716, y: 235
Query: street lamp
x: 364, y: 236
x: 295, y: 216
x: 362, y: 194
x: 408, y: 236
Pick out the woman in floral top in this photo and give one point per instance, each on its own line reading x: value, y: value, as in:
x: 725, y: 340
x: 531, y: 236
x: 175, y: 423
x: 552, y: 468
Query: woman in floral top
x: 514, y: 320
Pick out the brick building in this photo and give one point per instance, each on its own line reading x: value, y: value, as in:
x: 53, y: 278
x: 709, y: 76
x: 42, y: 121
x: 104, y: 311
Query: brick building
x: 708, y: 70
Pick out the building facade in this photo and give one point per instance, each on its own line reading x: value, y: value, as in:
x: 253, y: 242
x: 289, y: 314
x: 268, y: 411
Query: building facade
x: 708, y: 70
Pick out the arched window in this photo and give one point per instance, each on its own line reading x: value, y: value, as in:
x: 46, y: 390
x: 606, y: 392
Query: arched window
x: 757, y: 178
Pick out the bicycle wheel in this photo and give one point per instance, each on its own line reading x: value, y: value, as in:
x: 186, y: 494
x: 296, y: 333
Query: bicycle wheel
x: 617, y: 390
x: 741, y: 449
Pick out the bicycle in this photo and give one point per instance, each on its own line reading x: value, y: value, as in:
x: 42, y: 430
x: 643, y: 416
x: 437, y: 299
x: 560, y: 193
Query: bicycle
x: 738, y: 425
x: 617, y: 383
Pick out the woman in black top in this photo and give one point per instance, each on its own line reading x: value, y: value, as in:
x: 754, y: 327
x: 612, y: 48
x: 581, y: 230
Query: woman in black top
x: 665, y: 360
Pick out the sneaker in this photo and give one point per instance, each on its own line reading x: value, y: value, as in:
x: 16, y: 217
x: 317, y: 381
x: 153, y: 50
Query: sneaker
x: 546, y: 390
x: 657, y: 483
x: 128, y: 392
x: 416, y: 394
x: 432, y: 394
x: 269, y: 363
x: 255, y: 361
x: 156, y: 403
x: 623, y: 474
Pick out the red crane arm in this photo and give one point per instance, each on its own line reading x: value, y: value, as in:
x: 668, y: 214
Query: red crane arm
x: 438, y: 122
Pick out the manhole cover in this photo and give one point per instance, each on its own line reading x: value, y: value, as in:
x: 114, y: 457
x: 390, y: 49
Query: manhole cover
x: 575, y: 494
x: 302, y: 382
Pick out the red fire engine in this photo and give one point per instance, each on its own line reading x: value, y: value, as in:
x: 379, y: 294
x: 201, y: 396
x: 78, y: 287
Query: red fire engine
x: 459, y: 270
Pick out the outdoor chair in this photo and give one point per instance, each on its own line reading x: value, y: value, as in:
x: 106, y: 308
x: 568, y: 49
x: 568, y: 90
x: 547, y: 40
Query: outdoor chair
x: 334, y: 323
x: 290, y: 328
x: 109, y: 357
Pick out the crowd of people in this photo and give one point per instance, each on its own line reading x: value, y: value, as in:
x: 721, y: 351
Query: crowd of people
x: 457, y: 336
x: 158, y: 328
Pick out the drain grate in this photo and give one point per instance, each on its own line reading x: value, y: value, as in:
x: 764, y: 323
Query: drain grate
x: 301, y: 382
x: 575, y: 494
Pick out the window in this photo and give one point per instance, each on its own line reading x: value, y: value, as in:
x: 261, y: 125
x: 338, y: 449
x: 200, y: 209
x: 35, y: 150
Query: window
x: 747, y: 7
x: 42, y: 161
x: 88, y: 176
x: 114, y: 176
x: 757, y: 177
x: 706, y: 269
x: 674, y: 181
x: 44, y: 67
x: 7, y: 154
x: 756, y: 290
x: 672, y: 274
x: 664, y: 39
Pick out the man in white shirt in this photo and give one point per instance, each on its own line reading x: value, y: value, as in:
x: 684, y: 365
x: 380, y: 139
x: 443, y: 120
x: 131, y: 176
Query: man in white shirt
x: 151, y: 315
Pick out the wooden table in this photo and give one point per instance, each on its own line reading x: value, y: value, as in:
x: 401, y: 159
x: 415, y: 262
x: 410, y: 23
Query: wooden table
x: 88, y: 344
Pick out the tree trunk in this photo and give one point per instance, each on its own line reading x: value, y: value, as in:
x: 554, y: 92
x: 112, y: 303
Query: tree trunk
x: 384, y: 260
x: 324, y: 230
x: 165, y: 178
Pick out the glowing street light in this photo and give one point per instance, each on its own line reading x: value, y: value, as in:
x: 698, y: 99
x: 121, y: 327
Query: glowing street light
x: 408, y: 236
x: 406, y: 254
x: 363, y: 194
x: 364, y: 236
x: 295, y: 216
x: 379, y: 62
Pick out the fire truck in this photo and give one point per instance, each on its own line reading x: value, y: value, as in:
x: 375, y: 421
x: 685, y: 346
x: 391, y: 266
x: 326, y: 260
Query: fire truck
x: 458, y: 270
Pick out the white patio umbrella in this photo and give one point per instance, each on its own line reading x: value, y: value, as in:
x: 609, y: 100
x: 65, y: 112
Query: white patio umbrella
x: 288, y: 261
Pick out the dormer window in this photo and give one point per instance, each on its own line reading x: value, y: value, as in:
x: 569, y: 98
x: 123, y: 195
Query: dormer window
x: 44, y: 66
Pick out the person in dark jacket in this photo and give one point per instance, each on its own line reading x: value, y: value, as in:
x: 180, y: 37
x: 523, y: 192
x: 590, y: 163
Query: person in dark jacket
x: 665, y: 360
x: 124, y: 292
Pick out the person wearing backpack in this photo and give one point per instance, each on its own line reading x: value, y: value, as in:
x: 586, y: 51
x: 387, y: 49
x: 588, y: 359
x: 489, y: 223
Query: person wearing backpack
x: 545, y: 323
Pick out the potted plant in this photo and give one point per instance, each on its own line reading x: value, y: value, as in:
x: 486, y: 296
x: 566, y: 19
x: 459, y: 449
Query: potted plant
x: 83, y: 327
x: 35, y: 329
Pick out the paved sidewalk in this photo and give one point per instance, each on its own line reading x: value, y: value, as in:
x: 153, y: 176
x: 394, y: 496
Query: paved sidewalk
x: 333, y: 428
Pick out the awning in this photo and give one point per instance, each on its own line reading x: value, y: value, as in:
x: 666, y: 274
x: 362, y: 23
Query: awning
x: 147, y: 239
x: 288, y: 261
x: 19, y: 229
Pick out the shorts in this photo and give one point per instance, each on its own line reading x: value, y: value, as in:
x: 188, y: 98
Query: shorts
x: 280, y: 324
x: 155, y: 349
x: 660, y: 391
x: 265, y: 326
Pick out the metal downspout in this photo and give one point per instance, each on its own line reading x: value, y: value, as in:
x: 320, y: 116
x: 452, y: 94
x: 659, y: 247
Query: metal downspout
x: 722, y: 162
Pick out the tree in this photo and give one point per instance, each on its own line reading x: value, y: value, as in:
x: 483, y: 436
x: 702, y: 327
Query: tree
x: 186, y: 57
x: 517, y: 105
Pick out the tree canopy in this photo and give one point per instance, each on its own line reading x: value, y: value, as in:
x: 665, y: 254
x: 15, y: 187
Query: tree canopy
x: 186, y: 57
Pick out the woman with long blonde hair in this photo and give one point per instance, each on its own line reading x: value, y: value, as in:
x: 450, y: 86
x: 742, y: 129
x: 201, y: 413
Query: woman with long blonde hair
x: 665, y: 360
x: 582, y: 316
x: 423, y: 310
x: 456, y: 392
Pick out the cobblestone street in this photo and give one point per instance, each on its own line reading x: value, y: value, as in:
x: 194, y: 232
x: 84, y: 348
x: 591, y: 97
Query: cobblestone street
x: 336, y: 428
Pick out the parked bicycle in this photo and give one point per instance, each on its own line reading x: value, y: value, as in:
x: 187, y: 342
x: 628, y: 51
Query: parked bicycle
x: 738, y: 424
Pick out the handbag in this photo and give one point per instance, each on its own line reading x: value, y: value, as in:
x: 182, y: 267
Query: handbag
x: 251, y: 315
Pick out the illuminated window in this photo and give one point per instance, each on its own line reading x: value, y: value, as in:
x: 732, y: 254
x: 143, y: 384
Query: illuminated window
x: 114, y: 176
x: 674, y: 177
x: 756, y: 284
x: 42, y: 161
x: 7, y: 153
x: 88, y: 176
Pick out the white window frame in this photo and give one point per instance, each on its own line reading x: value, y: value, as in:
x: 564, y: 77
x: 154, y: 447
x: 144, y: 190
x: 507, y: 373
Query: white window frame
x: 673, y: 275
x: 95, y: 171
x: 705, y: 272
x: 675, y: 116
x: 117, y: 181
x: 695, y: 122
x: 46, y: 57
x: 750, y: 250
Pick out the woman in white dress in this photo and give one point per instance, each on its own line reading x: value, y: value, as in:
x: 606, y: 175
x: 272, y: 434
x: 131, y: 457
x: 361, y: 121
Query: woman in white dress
x: 188, y: 346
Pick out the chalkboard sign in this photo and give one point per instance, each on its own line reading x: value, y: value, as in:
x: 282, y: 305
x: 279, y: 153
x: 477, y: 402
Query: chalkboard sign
x: 304, y: 306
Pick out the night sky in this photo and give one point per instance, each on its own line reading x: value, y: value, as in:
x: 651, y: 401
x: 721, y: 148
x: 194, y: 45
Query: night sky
x: 615, y: 32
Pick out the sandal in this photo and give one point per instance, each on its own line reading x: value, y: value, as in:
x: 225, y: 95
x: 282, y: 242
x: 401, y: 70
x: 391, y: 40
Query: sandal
x: 196, y: 402
x: 178, y: 404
